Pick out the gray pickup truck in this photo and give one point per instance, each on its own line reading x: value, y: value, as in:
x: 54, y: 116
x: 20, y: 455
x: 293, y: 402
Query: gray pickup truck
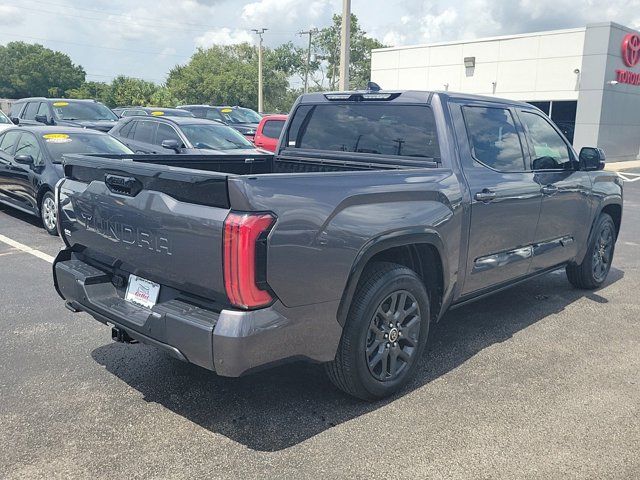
x: 378, y: 212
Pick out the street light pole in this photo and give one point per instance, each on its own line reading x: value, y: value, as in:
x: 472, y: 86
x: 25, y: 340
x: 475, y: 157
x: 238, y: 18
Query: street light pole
x: 306, y: 71
x: 345, y: 39
x: 260, y: 32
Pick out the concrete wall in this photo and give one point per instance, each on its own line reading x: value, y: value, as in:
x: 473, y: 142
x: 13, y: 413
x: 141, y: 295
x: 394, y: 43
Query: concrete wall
x: 608, y: 115
x: 538, y: 66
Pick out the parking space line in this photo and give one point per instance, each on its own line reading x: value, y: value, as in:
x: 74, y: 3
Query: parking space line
x: 26, y: 249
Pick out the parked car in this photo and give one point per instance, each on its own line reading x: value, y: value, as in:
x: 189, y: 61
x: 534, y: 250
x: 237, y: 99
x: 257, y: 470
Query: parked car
x: 268, y: 131
x: 242, y: 119
x: 152, y: 111
x: 30, y: 164
x: 184, y: 135
x: 63, y: 112
x: 379, y: 211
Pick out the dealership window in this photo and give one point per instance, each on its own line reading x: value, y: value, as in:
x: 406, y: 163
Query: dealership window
x: 563, y: 114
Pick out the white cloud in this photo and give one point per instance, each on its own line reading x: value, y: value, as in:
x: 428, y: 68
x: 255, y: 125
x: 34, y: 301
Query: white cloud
x: 393, y: 38
x: 277, y: 12
x: 223, y: 36
x: 10, y: 15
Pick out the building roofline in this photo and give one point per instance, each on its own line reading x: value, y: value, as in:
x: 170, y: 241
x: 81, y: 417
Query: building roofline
x: 486, y: 39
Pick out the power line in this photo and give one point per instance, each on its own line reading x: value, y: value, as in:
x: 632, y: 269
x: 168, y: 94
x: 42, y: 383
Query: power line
x: 97, y: 46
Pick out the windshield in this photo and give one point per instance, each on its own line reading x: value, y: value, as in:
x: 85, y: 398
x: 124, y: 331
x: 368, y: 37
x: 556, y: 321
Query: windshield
x: 59, y: 144
x: 239, y: 115
x: 215, y: 137
x: 64, y: 110
x: 4, y: 118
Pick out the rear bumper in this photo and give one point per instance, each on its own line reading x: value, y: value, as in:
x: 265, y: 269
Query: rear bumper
x: 228, y: 342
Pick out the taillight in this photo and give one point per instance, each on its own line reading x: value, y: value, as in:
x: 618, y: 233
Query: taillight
x: 244, y: 260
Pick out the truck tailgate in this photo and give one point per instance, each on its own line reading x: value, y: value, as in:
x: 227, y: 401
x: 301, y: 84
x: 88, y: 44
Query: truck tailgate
x: 161, y: 223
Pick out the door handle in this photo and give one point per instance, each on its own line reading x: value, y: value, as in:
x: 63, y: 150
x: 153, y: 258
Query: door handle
x: 485, y: 195
x: 549, y: 189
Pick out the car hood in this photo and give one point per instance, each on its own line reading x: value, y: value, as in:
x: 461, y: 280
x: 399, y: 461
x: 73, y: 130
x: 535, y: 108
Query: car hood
x: 102, y: 125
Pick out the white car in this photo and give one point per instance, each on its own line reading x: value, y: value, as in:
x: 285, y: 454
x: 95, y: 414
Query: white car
x: 5, y: 122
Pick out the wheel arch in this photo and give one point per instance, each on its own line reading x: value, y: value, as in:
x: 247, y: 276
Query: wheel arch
x: 421, y: 250
x: 44, y: 188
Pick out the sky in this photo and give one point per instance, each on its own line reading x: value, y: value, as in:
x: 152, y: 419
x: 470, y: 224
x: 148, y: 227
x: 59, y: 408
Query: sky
x: 146, y: 38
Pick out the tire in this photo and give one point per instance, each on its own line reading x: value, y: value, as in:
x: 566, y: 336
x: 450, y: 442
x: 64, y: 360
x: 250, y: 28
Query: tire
x: 363, y: 339
x: 48, y: 213
x: 595, y: 266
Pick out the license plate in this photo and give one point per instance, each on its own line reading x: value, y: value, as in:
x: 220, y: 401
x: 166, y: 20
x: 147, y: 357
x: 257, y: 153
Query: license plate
x: 142, y: 292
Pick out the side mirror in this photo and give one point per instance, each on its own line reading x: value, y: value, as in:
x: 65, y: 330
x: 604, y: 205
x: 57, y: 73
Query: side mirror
x: 42, y: 119
x: 24, y: 159
x: 591, y: 158
x: 171, y: 144
x: 15, y: 120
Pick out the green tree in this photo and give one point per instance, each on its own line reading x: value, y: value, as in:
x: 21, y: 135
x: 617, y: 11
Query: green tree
x: 131, y: 91
x: 28, y: 70
x: 228, y: 75
x: 327, y: 43
x: 100, y: 91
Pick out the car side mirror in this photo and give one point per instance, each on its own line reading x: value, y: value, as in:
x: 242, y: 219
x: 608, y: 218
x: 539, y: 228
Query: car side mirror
x: 591, y: 158
x: 15, y: 120
x: 24, y: 159
x: 171, y: 144
x: 42, y: 119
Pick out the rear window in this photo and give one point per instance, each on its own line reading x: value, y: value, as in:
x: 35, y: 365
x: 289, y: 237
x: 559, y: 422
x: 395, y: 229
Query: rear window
x: 371, y: 128
x: 272, y: 128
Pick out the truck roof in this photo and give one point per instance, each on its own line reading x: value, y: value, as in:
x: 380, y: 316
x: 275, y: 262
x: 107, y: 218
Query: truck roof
x: 412, y: 96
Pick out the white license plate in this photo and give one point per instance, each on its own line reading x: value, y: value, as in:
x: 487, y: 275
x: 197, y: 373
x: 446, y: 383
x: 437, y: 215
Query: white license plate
x: 142, y: 292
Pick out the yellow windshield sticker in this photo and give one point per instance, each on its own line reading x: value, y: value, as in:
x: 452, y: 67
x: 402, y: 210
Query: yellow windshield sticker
x: 157, y: 113
x: 56, y: 138
x: 60, y: 104
x: 227, y: 110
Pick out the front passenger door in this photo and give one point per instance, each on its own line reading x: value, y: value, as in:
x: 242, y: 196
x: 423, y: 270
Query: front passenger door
x: 23, y: 177
x: 505, y: 199
x: 565, y: 211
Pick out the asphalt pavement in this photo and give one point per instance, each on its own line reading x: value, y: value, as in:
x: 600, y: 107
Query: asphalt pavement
x: 540, y: 381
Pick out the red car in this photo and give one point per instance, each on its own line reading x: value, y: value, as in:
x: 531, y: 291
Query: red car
x: 268, y: 132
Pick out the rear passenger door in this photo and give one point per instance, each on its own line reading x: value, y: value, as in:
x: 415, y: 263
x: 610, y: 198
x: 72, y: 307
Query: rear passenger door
x: 505, y: 197
x: 565, y: 211
x: 142, y: 137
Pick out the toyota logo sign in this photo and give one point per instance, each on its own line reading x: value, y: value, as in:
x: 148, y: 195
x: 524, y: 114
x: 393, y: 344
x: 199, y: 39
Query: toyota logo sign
x: 631, y: 49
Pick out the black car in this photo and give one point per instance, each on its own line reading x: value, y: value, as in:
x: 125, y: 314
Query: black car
x: 30, y: 164
x: 63, y: 112
x: 242, y: 119
x: 187, y: 135
x: 151, y: 111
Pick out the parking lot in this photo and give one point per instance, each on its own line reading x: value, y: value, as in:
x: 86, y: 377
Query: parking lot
x: 539, y: 381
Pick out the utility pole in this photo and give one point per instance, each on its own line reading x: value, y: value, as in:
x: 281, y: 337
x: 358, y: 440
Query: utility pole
x: 260, y: 32
x: 345, y: 40
x: 309, y: 32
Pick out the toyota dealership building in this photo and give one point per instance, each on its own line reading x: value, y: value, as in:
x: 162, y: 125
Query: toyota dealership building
x: 586, y: 79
